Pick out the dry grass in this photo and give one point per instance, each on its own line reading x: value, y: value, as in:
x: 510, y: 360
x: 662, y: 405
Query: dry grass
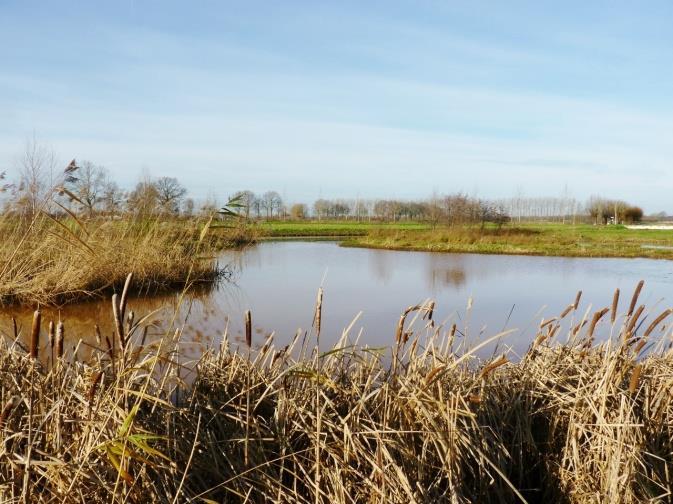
x: 425, y: 421
x: 51, y: 261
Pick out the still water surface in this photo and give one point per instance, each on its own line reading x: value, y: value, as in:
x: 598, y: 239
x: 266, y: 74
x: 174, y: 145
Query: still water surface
x: 278, y: 281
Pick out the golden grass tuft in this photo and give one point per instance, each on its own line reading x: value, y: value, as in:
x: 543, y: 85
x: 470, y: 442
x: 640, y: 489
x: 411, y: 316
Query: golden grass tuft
x: 53, y: 261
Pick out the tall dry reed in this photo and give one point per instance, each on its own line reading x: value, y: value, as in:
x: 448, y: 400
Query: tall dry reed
x: 574, y: 421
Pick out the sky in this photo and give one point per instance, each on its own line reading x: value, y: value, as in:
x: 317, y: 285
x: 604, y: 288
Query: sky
x: 349, y: 98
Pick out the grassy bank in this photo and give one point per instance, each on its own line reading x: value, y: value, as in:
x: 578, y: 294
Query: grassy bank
x: 47, y: 261
x: 569, y: 422
x: 307, y: 229
x: 531, y: 239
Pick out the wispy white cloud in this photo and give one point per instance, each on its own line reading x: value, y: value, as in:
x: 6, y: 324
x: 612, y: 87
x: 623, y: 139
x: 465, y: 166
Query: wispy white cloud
x: 339, y: 101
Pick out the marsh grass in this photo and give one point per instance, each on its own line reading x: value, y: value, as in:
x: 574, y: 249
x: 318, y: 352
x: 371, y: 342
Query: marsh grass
x: 425, y: 420
x: 50, y: 260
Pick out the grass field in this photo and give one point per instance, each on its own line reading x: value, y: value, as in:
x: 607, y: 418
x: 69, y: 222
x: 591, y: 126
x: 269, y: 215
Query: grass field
x: 533, y: 239
x: 289, y: 229
x: 525, y: 239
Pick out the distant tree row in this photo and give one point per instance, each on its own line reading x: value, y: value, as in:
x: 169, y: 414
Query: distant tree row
x: 89, y: 189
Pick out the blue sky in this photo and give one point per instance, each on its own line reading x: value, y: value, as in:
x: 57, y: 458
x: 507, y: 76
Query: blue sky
x: 345, y: 99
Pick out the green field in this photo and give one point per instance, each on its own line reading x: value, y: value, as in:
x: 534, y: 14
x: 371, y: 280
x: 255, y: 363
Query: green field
x: 537, y: 239
x: 525, y: 239
x: 289, y: 229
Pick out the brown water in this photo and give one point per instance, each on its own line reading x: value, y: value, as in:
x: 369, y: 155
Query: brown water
x: 278, y: 281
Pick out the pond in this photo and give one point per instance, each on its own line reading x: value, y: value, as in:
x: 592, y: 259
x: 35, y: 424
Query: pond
x: 278, y: 282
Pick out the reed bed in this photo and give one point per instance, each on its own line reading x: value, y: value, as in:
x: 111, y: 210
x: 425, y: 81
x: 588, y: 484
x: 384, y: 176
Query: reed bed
x: 572, y: 420
x: 53, y: 261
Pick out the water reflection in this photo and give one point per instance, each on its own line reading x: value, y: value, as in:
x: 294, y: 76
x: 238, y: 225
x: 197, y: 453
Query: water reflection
x: 278, y: 282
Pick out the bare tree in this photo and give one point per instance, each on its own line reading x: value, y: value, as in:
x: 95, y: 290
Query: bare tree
x: 271, y: 203
x: 169, y: 194
x: 321, y: 208
x: 144, y: 199
x: 89, y: 186
x: 36, y: 178
x: 112, y: 198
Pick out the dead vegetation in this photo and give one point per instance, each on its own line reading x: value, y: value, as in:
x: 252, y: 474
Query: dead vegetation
x: 50, y: 259
x: 572, y: 420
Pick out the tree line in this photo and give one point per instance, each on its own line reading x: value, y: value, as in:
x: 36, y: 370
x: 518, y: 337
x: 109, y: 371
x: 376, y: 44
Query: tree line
x: 90, y: 189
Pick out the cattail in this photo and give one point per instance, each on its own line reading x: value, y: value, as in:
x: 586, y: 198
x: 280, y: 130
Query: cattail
x: 579, y: 326
x: 95, y: 381
x: 7, y: 410
x: 16, y: 329
x: 639, y: 346
x: 566, y: 311
x: 400, y: 329
x: 545, y: 323
x: 51, y: 335
x: 125, y: 295
x: 318, y: 312
x: 615, y: 303
x: 99, y: 338
x: 657, y: 321
x: 634, y: 299
x: 59, y: 339
x: 500, y: 361
x: 432, y: 374
x: 430, y: 310
x: 129, y: 321
x: 248, y: 328
x: 635, y: 377
x: 634, y: 319
x: 597, y: 316
x: 554, y: 330
x: 35, y: 335
x: 118, y: 322
x: 577, y: 300
x: 248, y: 342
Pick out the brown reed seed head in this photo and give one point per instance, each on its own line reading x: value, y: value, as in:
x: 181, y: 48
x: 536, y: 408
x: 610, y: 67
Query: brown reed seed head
x: 635, y: 377
x: 577, y: 300
x: 7, y: 409
x: 248, y: 328
x: 615, y: 304
x: 634, y: 299
x: 35, y: 334
x: 60, y: 334
x: 51, y: 334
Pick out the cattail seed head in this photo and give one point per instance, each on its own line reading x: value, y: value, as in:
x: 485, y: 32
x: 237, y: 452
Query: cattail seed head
x: 35, y: 335
x: 634, y: 299
x: 615, y: 304
x: 51, y: 334
x: 60, y: 333
x: 7, y: 409
x: 248, y: 328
